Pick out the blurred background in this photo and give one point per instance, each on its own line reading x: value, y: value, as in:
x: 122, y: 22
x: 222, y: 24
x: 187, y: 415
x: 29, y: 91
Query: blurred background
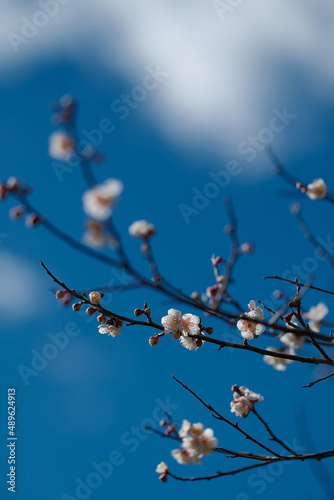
x: 187, y: 87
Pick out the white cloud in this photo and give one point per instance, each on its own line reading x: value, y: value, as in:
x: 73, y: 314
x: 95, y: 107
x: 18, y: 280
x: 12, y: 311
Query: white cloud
x: 226, y: 74
x: 21, y: 290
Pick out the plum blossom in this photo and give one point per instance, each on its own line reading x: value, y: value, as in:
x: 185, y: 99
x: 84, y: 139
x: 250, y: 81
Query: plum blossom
x: 162, y: 468
x: 95, y: 297
x: 99, y: 201
x: 243, y: 401
x: 196, y: 442
x: 278, y: 363
x: 184, y: 457
x: 293, y: 340
x: 96, y: 238
x: 317, y: 189
x: 190, y: 343
x: 250, y: 330
x: 172, y: 323
x: 316, y: 314
x: 142, y: 229
x: 191, y: 324
x: 179, y: 325
x: 61, y: 146
x: 109, y: 330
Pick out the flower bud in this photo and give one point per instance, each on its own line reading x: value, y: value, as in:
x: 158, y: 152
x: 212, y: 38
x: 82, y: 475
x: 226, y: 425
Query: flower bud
x: 3, y: 192
x: 195, y: 296
x: 66, y: 299
x: 228, y: 229
x: 199, y: 343
x: 287, y: 318
x: 60, y: 294
x: 163, y: 478
x: 216, y: 260
x: 91, y: 311
x: 12, y: 183
x: 211, y: 291
x: 153, y: 341
x: 32, y: 220
x: 246, y: 248
x: 295, y: 208
x: 77, y: 306
x: 95, y: 297
x: 295, y: 302
x: 138, y: 312
x: 16, y: 212
x: 208, y: 330
x: 170, y: 429
x: 278, y: 294
x: 101, y: 318
x: 118, y: 323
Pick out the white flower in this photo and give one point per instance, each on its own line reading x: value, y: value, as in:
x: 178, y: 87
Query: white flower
x: 162, y: 468
x: 243, y: 401
x: 317, y: 189
x: 99, y: 200
x: 251, y: 395
x: 293, y: 340
x: 187, y: 428
x: 316, y: 314
x: 196, y: 442
x: 278, y: 363
x: 250, y: 330
x: 183, y: 457
x: 95, y: 297
x: 173, y: 323
x: 241, y: 406
x: 61, y: 146
x: 200, y: 445
x: 190, y: 343
x: 95, y: 237
x: 110, y: 330
x: 141, y: 229
x: 191, y: 324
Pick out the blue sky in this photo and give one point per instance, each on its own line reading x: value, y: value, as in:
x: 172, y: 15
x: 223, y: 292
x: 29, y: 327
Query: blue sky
x: 88, y: 401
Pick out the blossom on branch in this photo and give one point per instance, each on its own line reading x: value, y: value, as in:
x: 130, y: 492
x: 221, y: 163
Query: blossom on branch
x: 196, y: 442
x: 172, y: 323
x: 293, y: 340
x: 142, y: 229
x: 99, y: 201
x: 109, y: 329
x: 317, y: 189
x: 61, y: 146
x: 243, y: 401
x: 316, y: 314
x: 278, y: 363
x: 249, y: 329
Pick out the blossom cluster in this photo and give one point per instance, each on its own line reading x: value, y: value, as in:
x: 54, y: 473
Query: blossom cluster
x: 14, y: 186
x: 196, y: 442
x: 183, y: 327
x: 243, y: 400
x: 250, y: 329
x: 292, y: 341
